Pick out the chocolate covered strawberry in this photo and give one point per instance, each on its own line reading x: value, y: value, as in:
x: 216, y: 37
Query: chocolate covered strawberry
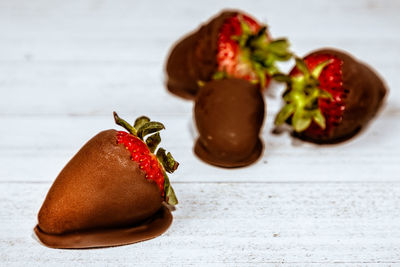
x: 330, y: 96
x: 112, y: 192
x: 231, y: 45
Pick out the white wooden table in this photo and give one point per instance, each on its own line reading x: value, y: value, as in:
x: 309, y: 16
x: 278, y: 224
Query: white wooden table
x: 66, y: 65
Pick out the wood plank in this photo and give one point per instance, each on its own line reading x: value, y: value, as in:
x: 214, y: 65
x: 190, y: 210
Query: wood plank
x: 104, y: 31
x: 229, y: 223
x: 36, y: 148
x: 87, y: 58
x: 120, y: 19
x: 64, y: 66
x: 96, y: 88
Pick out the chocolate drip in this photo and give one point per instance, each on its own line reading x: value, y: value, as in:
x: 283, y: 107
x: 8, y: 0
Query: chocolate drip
x: 148, y: 229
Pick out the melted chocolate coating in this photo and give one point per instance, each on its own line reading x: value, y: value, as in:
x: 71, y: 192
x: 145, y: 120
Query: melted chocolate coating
x: 100, y: 189
x: 150, y: 228
x: 194, y: 59
x: 366, y: 94
x: 229, y: 114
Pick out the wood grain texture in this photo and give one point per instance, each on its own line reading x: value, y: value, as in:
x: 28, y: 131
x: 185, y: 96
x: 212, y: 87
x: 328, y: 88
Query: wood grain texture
x: 92, y: 56
x: 66, y: 65
x: 374, y: 154
x: 233, y: 224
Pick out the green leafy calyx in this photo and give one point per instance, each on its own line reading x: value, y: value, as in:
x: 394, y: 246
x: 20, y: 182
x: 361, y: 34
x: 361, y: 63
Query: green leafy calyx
x: 260, y: 52
x: 142, y: 127
x: 301, y: 97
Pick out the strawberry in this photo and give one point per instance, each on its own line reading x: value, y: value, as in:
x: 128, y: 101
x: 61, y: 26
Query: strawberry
x: 329, y: 96
x: 112, y: 192
x: 246, y: 51
x: 233, y: 45
x: 155, y: 166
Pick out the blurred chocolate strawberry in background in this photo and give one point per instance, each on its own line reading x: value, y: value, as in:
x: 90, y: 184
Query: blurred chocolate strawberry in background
x: 330, y: 96
x: 230, y: 45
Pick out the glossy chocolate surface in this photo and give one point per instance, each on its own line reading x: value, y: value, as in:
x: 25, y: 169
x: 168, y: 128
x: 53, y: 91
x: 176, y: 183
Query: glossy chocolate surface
x: 229, y: 114
x: 100, y: 188
x: 148, y: 229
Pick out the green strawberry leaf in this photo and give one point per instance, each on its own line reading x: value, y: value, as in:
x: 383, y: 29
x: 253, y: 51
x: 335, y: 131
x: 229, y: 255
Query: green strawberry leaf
x: 302, y: 97
x: 319, y: 118
x: 259, y: 40
x: 300, y: 121
x: 299, y: 83
x: 153, y: 141
x: 219, y: 75
x: 170, y: 196
x: 284, y: 113
x: 139, y: 122
x: 125, y: 124
x: 166, y: 159
x: 245, y: 27
x: 260, y: 74
x: 280, y: 77
x: 148, y: 128
x: 325, y: 94
x: 262, y: 32
x: 301, y: 65
x: 279, y: 47
x: 318, y: 69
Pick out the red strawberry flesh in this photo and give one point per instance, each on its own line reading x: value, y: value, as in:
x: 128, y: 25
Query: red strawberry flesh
x: 229, y: 53
x: 141, y: 154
